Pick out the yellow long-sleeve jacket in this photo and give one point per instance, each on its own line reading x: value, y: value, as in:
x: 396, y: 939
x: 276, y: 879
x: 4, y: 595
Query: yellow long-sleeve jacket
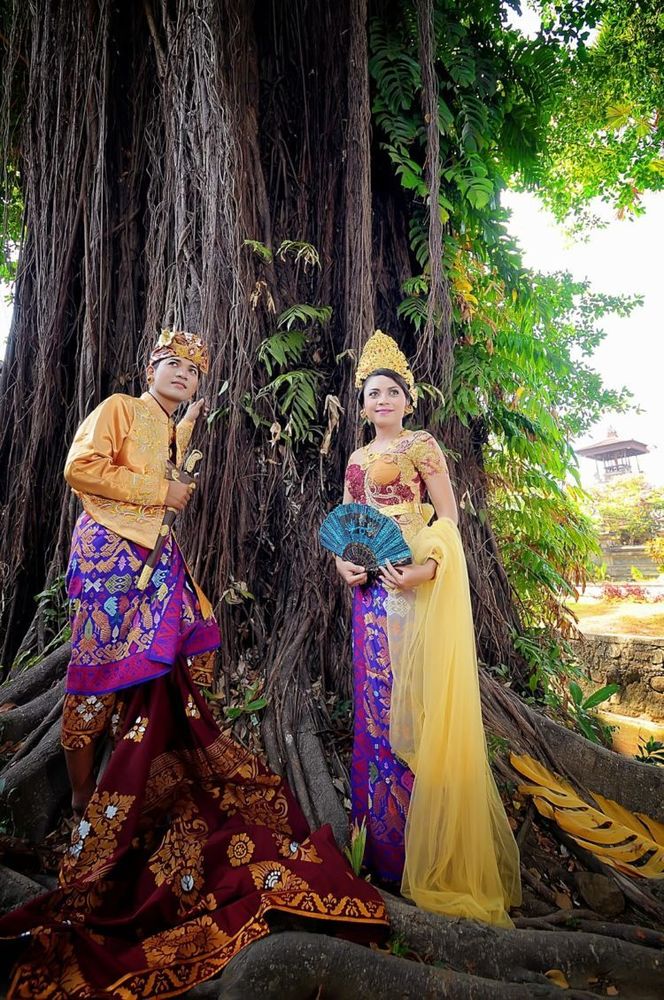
x: 117, y: 464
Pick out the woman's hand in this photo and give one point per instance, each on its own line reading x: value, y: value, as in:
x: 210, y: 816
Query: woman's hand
x: 350, y: 573
x: 406, y: 577
x: 194, y: 410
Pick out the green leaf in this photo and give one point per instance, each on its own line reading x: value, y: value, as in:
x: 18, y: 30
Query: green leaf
x: 282, y: 348
x: 587, y: 729
x: 304, y: 314
x: 603, y: 694
x: 215, y: 414
x: 576, y: 693
x: 358, y: 840
x: 619, y: 115
x: 256, y: 705
x: 259, y: 249
x: 296, y: 395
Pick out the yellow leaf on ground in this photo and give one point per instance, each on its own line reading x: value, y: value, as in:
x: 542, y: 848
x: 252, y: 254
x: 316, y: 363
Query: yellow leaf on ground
x: 631, y: 842
x: 557, y: 976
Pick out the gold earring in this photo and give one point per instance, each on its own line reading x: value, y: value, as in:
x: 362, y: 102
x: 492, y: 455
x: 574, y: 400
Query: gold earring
x: 409, y: 409
x: 363, y: 413
x: 150, y: 379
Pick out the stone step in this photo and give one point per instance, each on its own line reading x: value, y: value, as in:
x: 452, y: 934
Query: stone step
x: 630, y: 731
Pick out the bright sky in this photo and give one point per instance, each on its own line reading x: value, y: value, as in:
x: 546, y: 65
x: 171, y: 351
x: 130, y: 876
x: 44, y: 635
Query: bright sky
x: 625, y: 257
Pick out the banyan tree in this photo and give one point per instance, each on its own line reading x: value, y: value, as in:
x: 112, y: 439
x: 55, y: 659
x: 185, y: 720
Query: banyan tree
x: 265, y: 173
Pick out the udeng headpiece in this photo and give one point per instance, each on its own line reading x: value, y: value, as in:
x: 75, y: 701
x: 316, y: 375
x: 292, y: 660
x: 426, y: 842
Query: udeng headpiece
x: 181, y: 344
x: 382, y: 351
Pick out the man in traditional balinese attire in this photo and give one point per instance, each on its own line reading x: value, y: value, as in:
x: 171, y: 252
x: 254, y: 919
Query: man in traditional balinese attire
x: 187, y: 842
x: 124, y: 466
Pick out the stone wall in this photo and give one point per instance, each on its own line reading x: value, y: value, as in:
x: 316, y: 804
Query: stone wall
x: 636, y: 664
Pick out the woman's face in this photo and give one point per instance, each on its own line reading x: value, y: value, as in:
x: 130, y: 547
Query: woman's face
x: 384, y: 401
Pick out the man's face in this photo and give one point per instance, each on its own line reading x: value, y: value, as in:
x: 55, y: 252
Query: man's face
x: 175, y: 379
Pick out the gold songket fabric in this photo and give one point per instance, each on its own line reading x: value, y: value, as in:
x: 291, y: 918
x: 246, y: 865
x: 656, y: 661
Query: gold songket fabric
x: 394, y: 481
x: 117, y: 464
x: 461, y: 856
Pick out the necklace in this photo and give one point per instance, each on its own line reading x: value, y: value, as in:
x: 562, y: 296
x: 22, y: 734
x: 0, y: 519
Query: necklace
x: 373, y: 453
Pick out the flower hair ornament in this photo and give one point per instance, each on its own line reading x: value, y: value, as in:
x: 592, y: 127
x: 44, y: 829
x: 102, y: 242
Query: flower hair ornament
x: 181, y: 344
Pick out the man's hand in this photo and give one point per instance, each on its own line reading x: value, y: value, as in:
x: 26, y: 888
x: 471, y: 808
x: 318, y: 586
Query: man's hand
x: 194, y: 410
x: 179, y: 495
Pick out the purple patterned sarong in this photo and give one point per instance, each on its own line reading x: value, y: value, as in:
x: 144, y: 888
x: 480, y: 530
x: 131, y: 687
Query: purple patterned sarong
x: 380, y: 783
x: 122, y: 636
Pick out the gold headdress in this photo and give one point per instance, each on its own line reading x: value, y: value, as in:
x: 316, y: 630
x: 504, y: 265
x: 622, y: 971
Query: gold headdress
x: 181, y: 344
x: 382, y: 351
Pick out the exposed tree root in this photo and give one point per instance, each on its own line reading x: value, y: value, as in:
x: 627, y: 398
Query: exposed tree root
x: 16, y: 889
x: 480, y: 961
x: 34, y: 782
x: 35, y: 679
x: 586, y: 920
x: 24, y: 719
x: 524, y: 955
x: 592, y: 767
x: 319, y: 780
x: 293, y: 965
x: 35, y: 787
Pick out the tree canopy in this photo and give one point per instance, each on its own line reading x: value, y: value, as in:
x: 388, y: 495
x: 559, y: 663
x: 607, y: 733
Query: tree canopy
x: 606, y: 136
x: 628, y: 511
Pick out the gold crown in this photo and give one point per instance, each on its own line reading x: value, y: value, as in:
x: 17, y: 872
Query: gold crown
x: 181, y: 344
x: 382, y: 351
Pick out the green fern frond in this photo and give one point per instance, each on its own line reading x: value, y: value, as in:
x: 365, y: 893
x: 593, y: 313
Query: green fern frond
x: 282, y: 348
x: 414, y: 309
x: 259, y: 249
x: 304, y: 314
x: 301, y: 251
x: 296, y: 395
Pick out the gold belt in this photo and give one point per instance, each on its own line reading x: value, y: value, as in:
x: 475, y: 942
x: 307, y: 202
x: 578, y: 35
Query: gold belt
x: 424, y: 510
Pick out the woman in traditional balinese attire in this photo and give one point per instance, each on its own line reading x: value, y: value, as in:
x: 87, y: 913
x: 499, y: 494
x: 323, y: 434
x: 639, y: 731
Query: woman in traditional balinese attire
x: 420, y: 776
x: 187, y: 842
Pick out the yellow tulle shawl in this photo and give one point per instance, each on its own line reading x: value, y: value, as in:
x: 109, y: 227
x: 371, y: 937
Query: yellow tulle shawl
x: 461, y: 856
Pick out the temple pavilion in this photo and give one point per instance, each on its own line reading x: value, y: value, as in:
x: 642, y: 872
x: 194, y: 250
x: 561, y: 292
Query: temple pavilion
x: 615, y: 456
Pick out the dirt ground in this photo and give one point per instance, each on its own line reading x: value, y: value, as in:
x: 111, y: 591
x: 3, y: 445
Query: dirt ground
x: 623, y: 617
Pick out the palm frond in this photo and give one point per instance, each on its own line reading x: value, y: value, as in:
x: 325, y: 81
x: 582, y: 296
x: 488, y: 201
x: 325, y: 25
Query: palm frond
x: 300, y: 250
x: 633, y: 843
